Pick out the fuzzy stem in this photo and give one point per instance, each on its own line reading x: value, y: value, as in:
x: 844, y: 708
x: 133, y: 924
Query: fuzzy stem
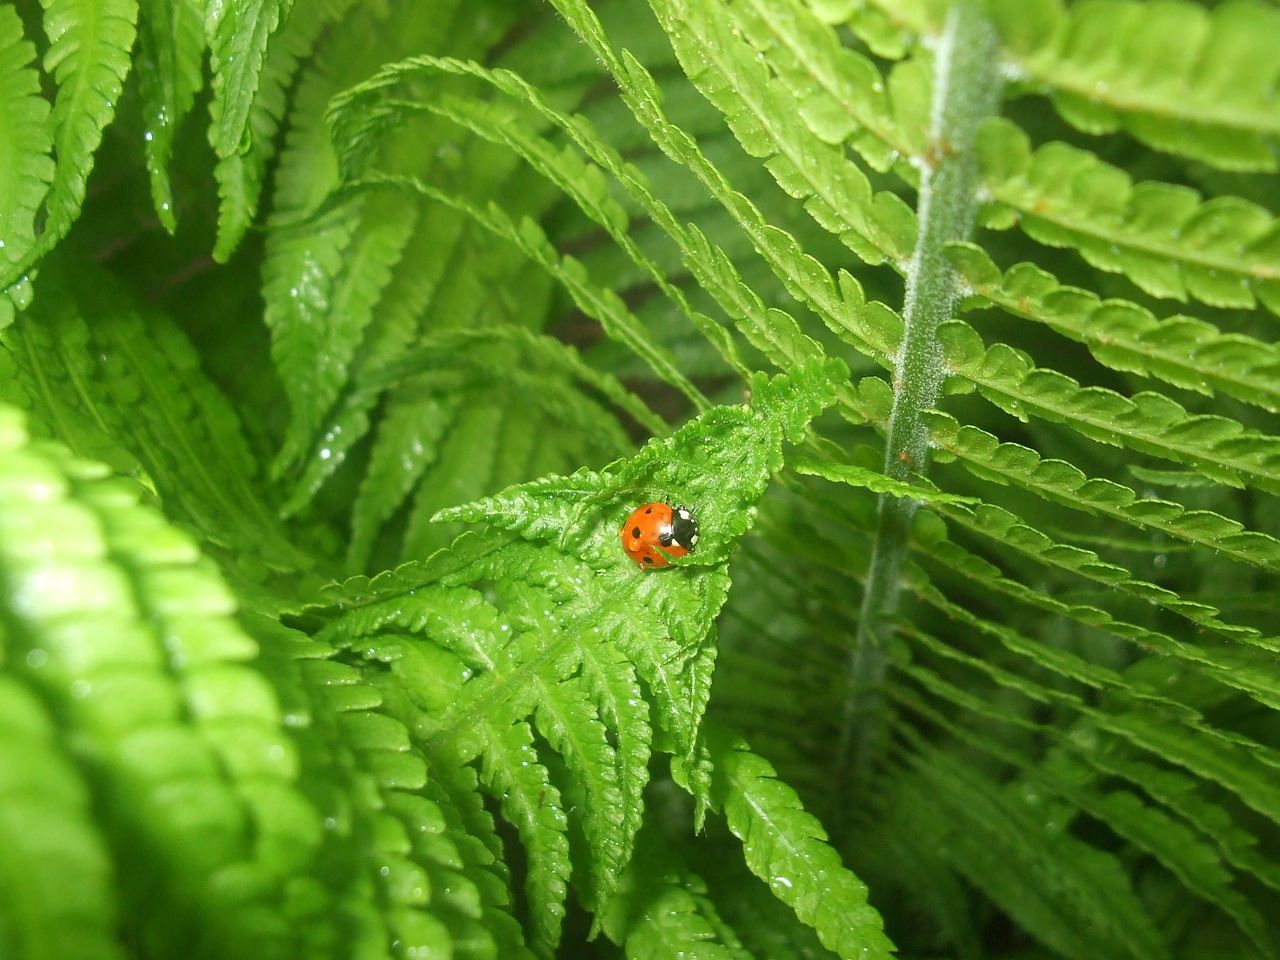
x: 966, y: 90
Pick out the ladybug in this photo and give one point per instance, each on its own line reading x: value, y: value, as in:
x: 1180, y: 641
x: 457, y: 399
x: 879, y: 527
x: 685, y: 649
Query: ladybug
x: 655, y: 525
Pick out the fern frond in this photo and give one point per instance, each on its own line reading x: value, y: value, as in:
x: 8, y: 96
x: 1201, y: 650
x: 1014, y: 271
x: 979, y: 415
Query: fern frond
x: 407, y: 443
x: 171, y: 50
x: 1183, y: 79
x: 305, y: 252
x: 150, y: 397
x: 774, y: 331
x: 88, y: 55
x: 1012, y: 533
x: 26, y: 167
x: 414, y: 289
x: 240, y: 174
x: 567, y: 717
x: 1187, y: 856
x: 1149, y: 422
x: 364, y: 113
x: 1178, y: 735
x: 299, y: 276
x: 662, y: 910
x: 577, y: 654
x: 56, y: 883
x: 1180, y: 78
x: 1165, y: 238
x: 1183, y: 795
x: 506, y: 247
x: 1183, y: 351
x: 1080, y: 902
x: 875, y: 481
x: 1060, y: 481
x: 878, y: 227
x: 125, y: 632
x: 306, y: 269
x: 1187, y: 853
x: 410, y: 869
x: 1232, y: 667
x: 785, y: 847
x: 316, y: 347
x: 504, y: 423
x: 597, y: 302
x: 531, y: 802
x: 238, y: 34
x: 44, y: 373
x: 841, y: 95
x: 507, y: 378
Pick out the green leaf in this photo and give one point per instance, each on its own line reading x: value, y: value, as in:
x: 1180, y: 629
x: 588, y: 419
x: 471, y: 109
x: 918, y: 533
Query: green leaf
x: 362, y: 115
x: 171, y: 51
x: 1073, y: 778
x: 240, y: 174
x: 597, y: 302
x: 238, y: 32
x: 533, y: 805
x: 26, y: 167
x: 877, y: 227
x: 1180, y: 350
x: 841, y: 95
x: 88, y: 56
x: 1061, y: 482
x: 786, y: 848
x: 127, y: 633
x: 1176, y: 76
x: 663, y: 909
x: 1072, y: 897
x: 450, y: 403
x: 1165, y: 238
x: 1148, y: 422
x: 875, y: 481
x: 139, y: 380
x: 57, y: 896
x: 1244, y: 670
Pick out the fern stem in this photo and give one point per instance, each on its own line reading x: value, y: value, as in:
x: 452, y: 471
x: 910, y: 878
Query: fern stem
x: 966, y: 90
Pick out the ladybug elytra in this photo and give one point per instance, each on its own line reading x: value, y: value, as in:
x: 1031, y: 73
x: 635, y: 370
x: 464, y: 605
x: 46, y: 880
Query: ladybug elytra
x: 654, y: 525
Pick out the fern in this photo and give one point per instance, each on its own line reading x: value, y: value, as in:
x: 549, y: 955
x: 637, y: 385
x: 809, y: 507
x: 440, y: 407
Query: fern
x: 338, y: 340
x: 171, y: 51
x: 27, y: 168
x: 88, y: 58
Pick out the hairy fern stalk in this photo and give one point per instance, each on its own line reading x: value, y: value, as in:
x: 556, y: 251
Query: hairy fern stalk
x: 338, y: 340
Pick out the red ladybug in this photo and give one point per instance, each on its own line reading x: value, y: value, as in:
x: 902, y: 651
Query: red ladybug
x: 654, y: 525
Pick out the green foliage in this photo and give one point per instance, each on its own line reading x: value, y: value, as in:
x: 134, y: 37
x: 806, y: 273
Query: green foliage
x: 338, y: 340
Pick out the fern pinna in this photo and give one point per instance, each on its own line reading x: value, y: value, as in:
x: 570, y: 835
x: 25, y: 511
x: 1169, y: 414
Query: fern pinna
x: 952, y: 321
